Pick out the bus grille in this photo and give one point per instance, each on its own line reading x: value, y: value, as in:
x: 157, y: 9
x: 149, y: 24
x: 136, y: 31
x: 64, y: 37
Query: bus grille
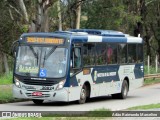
x: 43, y: 95
x: 39, y: 82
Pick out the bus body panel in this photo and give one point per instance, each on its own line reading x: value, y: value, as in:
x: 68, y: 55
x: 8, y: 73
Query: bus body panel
x: 107, y: 81
x: 57, y: 95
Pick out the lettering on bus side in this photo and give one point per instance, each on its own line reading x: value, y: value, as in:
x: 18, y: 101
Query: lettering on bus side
x: 106, y: 74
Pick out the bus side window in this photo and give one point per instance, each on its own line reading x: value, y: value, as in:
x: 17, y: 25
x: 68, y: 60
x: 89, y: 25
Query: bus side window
x: 132, y: 53
x: 76, y: 58
x: 122, y: 53
x: 139, y: 53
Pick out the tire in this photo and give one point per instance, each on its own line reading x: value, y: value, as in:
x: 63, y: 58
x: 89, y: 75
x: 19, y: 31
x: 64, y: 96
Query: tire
x: 37, y: 102
x: 83, y: 95
x: 124, y: 91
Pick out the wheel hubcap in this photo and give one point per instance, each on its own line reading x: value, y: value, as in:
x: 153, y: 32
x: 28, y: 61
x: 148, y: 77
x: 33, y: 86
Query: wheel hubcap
x: 125, y: 91
x: 83, y: 94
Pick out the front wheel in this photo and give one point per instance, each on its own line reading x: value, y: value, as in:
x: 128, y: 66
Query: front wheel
x: 83, y: 95
x: 37, y: 102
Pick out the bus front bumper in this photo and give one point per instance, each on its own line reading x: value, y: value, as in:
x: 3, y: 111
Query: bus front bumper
x: 56, y: 95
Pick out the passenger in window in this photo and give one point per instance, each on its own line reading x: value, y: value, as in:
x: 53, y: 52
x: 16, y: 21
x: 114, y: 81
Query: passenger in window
x: 131, y: 59
x: 109, y: 54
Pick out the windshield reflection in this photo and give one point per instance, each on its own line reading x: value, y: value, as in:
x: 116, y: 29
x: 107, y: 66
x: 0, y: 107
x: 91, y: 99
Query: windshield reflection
x: 41, y: 61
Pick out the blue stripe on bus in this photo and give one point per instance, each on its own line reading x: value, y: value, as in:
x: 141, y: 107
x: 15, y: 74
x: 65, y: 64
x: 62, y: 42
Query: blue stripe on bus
x: 67, y: 83
x: 138, y: 71
x: 103, y: 73
x: 73, y: 81
x: 80, y: 39
x: 114, y: 39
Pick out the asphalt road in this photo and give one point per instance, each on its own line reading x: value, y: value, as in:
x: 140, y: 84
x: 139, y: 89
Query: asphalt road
x: 141, y: 96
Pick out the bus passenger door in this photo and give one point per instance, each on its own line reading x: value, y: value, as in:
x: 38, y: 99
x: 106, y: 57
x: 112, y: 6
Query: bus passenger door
x: 75, y: 74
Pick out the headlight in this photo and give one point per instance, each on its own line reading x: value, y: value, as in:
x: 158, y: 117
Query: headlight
x: 17, y: 83
x: 60, y: 85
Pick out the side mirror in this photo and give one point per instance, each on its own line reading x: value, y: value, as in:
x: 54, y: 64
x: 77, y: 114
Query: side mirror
x: 14, y: 48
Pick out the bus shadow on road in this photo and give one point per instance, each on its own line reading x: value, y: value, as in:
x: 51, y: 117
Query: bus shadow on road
x: 91, y: 100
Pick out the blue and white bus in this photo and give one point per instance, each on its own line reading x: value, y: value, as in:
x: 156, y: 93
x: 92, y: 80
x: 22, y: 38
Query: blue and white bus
x: 77, y: 64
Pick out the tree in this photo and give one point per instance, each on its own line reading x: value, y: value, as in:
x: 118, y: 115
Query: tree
x: 8, y: 34
x: 107, y: 14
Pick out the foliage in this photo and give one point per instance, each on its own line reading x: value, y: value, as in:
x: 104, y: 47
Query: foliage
x: 152, y: 70
x: 9, y: 29
x: 112, y: 15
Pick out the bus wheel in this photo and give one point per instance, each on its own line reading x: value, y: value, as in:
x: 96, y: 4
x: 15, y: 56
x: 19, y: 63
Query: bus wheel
x: 124, y: 91
x: 37, y: 102
x: 83, y: 95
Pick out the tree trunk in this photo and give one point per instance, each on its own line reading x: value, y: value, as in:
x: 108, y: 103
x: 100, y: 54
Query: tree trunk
x: 141, y: 12
x: 23, y: 9
x: 1, y: 63
x: 59, y: 16
x: 42, y: 23
x: 78, y: 14
x: 5, y: 61
x: 45, y: 21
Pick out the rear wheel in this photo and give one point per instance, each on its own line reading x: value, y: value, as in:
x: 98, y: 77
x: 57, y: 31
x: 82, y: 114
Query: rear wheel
x: 37, y: 102
x: 124, y: 91
x: 83, y: 95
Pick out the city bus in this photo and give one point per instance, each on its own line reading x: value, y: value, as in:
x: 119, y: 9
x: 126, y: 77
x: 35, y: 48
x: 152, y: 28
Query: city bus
x: 76, y: 65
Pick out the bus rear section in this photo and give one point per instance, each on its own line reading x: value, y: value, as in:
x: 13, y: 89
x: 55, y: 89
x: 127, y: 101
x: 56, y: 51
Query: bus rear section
x: 111, y: 64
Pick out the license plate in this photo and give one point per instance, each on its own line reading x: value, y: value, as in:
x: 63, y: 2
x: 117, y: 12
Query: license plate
x: 36, y: 94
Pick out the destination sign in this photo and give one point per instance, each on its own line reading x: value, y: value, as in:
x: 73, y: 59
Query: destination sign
x: 45, y: 40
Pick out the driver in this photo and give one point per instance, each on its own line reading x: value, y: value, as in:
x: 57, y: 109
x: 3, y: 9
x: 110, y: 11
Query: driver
x: 27, y: 59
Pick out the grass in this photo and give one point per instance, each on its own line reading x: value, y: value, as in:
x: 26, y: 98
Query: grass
x: 6, y: 95
x: 60, y: 118
x: 95, y: 113
x: 145, y: 107
x: 6, y: 79
x: 151, y: 81
x: 98, y: 114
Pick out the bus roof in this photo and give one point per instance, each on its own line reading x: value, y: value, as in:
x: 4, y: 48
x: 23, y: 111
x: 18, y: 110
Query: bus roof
x: 93, y: 35
x: 100, y: 32
x: 90, y: 35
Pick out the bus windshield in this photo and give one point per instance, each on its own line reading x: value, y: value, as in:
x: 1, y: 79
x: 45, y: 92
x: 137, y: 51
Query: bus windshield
x: 38, y: 61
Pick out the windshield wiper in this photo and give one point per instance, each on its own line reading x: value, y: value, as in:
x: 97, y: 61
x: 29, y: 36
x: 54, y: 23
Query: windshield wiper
x: 44, y: 59
x: 46, y: 56
x: 34, y: 53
